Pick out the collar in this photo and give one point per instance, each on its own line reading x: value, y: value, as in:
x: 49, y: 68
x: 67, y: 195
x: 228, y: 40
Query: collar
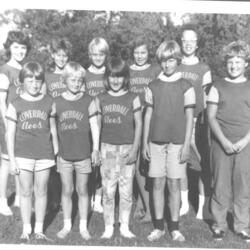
x: 143, y: 67
x: 95, y: 70
x: 176, y: 76
x: 190, y: 61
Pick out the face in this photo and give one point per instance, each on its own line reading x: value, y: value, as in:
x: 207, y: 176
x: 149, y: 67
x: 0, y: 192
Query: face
x: 116, y: 83
x: 189, y: 42
x: 141, y: 55
x: 32, y: 86
x: 169, y: 66
x: 97, y: 57
x: 74, y: 83
x: 236, y: 67
x: 18, y: 51
x: 60, y: 58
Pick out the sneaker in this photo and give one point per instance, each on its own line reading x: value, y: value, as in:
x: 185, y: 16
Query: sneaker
x: 63, y: 233
x: 85, y: 235
x: 5, y: 210
x: 42, y: 237
x: 156, y: 234
x: 218, y: 234
x: 24, y: 238
x: 199, y: 216
x: 177, y: 236
x: 126, y: 233
x: 17, y: 202
x: 244, y: 236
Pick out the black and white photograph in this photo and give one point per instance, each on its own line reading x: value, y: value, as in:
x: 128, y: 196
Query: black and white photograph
x: 125, y: 124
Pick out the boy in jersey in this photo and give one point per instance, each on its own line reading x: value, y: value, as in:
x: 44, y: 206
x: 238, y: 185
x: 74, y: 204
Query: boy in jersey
x: 229, y: 120
x: 167, y: 134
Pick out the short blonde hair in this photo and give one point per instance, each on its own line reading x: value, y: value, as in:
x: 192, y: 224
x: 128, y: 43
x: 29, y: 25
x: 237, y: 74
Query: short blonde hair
x: 100, y: 43
x: 237, y: 48
x: 73, y: 68
x: 168, y: 49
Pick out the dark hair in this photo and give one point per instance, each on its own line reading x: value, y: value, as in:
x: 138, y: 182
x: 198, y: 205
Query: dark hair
x: 18, y: 37
x: 140, y: 41
x: 117, y: 67
x: 31, y: 69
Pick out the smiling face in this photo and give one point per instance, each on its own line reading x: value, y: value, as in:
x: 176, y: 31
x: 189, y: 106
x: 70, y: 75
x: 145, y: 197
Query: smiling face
x: 60, y: 58
x: 116, y: 83
x: 74, y: 82
x: 141, y: 55
x: 169, y: 66
x: 97, y: 57
x: 18, y: 51
x: 236, y: 67
x: 189, y: 42
x: 32, y: 85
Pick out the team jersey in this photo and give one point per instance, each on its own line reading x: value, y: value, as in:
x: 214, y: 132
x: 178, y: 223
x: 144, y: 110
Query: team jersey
x: 54, y: 84
x: 94, y: 83
x: 139, y: 79
x: 169, y: 100
x: 199, y: 75
x: 233, y: 112
x: 33, y: 137
x: 73, y: 126
x: 118, y: 117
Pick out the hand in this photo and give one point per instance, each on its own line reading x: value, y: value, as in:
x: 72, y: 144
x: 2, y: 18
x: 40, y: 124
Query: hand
x: 240, y: 145
x: 184, y: 153
x: 14, y: 169
x: 146, y: 152
x: 129, y: 157
x: 95, y: 158
x: 228, y: 147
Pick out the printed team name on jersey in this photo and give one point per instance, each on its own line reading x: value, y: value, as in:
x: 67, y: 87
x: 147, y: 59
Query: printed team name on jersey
x: 190, y: 76
x: 66, y: 118
x: 95, y: 87
x: 26, y: 116
x: 114, y: 108
x: 54, y: 86
x: 140, y: 81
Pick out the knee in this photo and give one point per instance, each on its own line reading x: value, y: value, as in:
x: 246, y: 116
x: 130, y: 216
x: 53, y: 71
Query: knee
x: 40, y: 191
x: 174, y: 185
x: 158, y: 185
x: 26, y: 192
x: 67, y: 190
x: 82, y: 190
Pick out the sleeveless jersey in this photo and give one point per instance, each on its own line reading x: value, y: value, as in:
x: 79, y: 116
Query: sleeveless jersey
x: 73, y: 127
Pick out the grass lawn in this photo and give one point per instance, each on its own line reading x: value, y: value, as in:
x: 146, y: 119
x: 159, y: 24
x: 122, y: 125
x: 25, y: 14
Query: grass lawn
x: 197, y: 232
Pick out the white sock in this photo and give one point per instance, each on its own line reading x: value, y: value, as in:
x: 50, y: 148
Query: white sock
x: 83, y: 225
x: 98, y: 200
x: 184, y: 198
x: 67, y: 224
x: 201, y: 203
x: 27, y: 228
x: 38, y: 227
x: 3, y: 202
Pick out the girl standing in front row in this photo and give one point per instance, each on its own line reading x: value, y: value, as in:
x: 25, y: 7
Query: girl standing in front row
x: 77, y: 124
x: 29, y: 129
x: 120, y: 139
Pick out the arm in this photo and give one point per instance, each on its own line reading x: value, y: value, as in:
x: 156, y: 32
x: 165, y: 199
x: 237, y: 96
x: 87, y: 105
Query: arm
x: 53, y: 129
x: 3, y: 96
x: 216, y: 129
x: 132, y: 154
x: 206, y: 83
x: 10, y: 137
x: 95, y: 133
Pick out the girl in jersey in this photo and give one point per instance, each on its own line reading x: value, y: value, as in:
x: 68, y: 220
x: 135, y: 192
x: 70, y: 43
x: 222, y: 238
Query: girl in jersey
x: 199, y: 74
x: 77, y: 126
x: 17, y: 46
x: 120, y: 138
x: 167, y: 134
x: 141, y: 73
x: 32, y: 145
x: 60, y: 49
x: 98, y: 51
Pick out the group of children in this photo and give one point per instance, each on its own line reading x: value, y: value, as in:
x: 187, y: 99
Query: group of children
x: 121, y: 118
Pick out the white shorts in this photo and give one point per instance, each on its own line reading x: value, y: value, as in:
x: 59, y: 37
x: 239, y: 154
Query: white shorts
x: 33, y: 165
